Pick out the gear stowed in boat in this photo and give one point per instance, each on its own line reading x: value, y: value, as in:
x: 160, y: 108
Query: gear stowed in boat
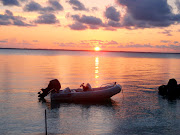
x: 86, y: 93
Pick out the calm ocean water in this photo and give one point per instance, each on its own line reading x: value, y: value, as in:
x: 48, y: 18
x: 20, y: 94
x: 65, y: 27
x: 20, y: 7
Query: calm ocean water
x: 137, y: 110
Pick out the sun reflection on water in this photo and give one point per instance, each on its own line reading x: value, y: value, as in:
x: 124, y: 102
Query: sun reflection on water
x: 96, y: 67
x: 96, y: 70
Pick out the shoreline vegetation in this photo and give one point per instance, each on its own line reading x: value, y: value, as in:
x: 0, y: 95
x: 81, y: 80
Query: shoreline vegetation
x: 89, y: 50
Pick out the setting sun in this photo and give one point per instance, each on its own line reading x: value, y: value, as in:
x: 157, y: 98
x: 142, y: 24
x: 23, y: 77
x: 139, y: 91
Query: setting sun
x: 97, y: 48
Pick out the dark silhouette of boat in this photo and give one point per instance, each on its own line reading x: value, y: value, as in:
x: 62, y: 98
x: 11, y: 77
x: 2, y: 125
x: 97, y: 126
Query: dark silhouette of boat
x: 80, y: 94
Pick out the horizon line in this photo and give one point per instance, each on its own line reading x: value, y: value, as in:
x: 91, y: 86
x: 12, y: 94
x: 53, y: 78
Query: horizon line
x: 91, y: 50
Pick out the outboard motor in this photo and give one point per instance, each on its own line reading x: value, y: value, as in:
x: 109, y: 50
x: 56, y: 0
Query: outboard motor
x: 53, y: 85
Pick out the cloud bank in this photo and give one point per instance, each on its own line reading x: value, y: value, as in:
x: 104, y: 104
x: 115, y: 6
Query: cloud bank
x: 33, y: 6
x: 10, y: 2
x: 46, y: 19
x: 46, y: 13
x: 85, y: 22
x: 136, y: 14
x: 77, y: 5
x: 148, y: 13
x: 112, y: 14
x: 9, y: 19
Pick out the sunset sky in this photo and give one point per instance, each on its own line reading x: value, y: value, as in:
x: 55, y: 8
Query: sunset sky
x: 114, y: 25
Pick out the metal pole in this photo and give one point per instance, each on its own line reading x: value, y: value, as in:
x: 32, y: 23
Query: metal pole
x: 45, y: 122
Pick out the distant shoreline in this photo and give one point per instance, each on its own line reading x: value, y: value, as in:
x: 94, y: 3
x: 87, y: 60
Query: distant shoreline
x: 89, y: 50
